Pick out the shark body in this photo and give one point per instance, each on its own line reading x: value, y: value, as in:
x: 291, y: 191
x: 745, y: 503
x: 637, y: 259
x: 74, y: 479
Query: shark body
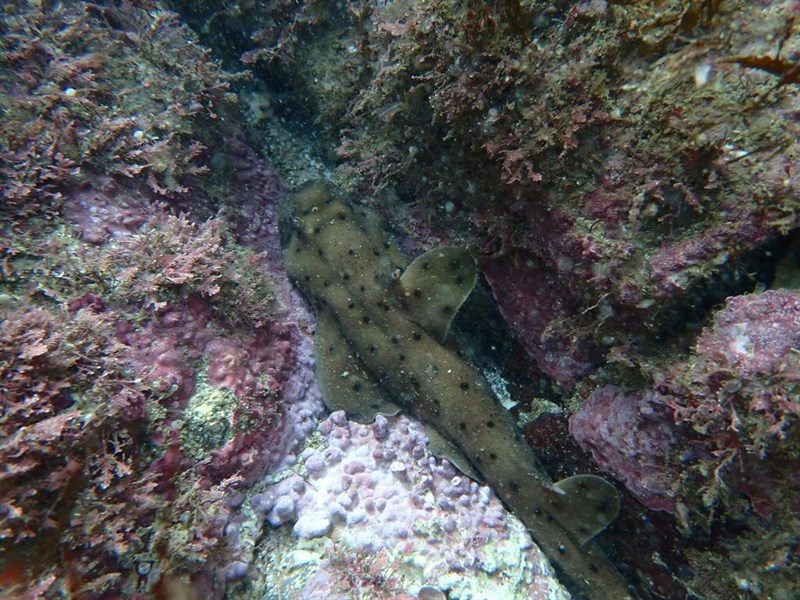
x: 380, y: 327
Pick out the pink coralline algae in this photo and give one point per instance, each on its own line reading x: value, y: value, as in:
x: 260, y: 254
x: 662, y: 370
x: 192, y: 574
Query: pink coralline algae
x: 219, y: 406
x: 105, y: 209
x: 722, y: 420
x: 374, y: 490
x: 737, y: 397
x: 742, y: 383
x: 630, y: 436
x: 268, y: 376
x: 237, y: 405
x: 531, y: 300
x: 755, y: 334
x: 740, y: 395
x: 168, y: 346
x: 675, y: 265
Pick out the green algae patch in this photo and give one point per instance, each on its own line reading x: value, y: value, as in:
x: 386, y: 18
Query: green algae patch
x: 207, y: 421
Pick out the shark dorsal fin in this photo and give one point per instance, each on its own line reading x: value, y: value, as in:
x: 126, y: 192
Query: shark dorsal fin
x: 434, y: 287
x: 345, y: 382
x: 593, y: 505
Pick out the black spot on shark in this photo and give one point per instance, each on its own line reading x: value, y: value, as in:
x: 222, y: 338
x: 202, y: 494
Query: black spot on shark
x: 388, y: 303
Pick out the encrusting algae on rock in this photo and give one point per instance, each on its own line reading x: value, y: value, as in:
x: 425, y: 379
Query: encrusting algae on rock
x: 380, y: 328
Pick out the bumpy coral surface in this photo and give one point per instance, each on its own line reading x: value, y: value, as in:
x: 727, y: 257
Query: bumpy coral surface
x: 372, y: 495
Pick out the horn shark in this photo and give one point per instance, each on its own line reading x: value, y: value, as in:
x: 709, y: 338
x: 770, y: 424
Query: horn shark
x: 381, y: 324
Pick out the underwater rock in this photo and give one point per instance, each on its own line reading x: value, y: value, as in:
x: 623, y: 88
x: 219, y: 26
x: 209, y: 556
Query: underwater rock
x: 532, y: 301
x: 753, y: 335
x: 739, y: 396
x: 630, y: 436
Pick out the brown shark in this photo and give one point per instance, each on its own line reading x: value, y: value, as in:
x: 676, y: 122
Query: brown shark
x: 381, y: 324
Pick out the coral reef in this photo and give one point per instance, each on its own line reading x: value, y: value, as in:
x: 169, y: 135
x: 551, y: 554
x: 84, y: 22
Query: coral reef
x: 619, y: 170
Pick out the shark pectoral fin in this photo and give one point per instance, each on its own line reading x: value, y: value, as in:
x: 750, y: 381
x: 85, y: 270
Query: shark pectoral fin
x: 435, y: 285
x: 343, y: 379
x: 442, y: 447
x: 593, y: 503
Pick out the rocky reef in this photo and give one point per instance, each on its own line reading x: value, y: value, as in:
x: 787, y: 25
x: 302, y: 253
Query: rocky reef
x: 625, y: 174
x: 153, y: 364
